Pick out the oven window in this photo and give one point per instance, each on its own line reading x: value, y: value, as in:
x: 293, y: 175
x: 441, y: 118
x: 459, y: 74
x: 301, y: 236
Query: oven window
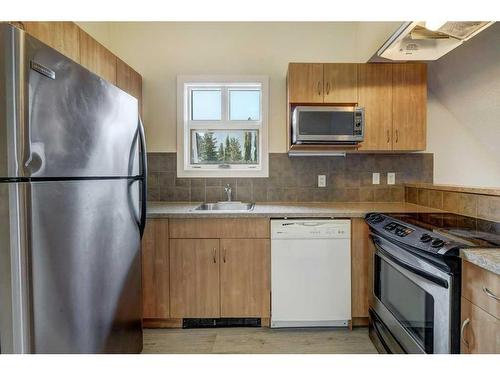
x: 410, y: 304
x: 326, y: 123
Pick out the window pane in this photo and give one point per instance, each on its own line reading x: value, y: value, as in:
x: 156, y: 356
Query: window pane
x: 244, y: 105
x: 225, y: 147
x: 206, y: 105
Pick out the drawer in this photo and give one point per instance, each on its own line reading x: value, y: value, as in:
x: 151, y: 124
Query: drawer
x: 481, y: 287
x: 219, y: 228
x: 480, y: 331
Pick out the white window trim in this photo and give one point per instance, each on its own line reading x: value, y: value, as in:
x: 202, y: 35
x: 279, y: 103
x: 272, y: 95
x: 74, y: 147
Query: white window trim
x: 183, y: 152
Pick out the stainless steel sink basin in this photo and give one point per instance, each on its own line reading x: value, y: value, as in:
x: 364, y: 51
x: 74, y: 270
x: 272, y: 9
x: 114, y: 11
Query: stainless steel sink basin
x: 226, y: 206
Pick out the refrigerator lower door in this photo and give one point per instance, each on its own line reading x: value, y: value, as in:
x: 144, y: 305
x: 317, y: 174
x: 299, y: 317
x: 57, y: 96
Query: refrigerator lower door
x: 14, y: 321
x: 85, y: 267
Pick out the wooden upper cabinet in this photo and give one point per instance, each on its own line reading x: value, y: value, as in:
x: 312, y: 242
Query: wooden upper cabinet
x: 155, y: 270
x: 129, y: 81
x: 375, y: 95
x: 96, y: 58
x: 340, y: 83
x: 62, y: 36
x: 409, y: 106
x: 480, y: 333
x: 305, y: 83
x: 194, y: 278
x: 244, y: 277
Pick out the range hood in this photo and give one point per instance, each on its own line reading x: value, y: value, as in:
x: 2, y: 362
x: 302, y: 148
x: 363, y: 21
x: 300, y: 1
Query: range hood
x: 424, y: 41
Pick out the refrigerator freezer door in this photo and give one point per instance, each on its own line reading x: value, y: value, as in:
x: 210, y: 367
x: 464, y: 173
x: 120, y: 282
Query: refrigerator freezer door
x: 85, y: 267
x: 12, y: 111
x: 79, y: 124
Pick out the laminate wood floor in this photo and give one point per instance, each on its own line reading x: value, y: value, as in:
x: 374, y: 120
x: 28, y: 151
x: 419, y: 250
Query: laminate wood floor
x: 258, y: 341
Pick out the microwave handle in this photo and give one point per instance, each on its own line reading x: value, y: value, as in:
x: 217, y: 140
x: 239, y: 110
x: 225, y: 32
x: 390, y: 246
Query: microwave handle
x: 422, y: 273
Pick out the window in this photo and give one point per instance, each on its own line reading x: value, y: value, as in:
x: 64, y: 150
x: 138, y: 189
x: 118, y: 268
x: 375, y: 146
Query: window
x: 222, y: 126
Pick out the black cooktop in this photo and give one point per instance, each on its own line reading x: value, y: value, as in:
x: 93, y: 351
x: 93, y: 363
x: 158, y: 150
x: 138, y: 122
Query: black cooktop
x: 466, y: 230
x: 435, y: 234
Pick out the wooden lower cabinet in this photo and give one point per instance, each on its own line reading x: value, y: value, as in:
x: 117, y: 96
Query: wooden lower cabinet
x: 245, y: 277
x: 155, y: 270
x: 362, y: 254
x: 480, y: 330
x: 194, y: 278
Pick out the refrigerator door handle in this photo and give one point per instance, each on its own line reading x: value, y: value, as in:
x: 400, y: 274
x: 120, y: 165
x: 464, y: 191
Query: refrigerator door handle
x: 143, y: 178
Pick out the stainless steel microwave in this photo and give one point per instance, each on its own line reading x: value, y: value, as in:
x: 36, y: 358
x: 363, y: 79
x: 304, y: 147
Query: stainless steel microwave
x: 325, y: 124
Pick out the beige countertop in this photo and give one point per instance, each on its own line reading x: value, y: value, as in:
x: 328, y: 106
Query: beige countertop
x: 186, y: 210
x: 488, y: 259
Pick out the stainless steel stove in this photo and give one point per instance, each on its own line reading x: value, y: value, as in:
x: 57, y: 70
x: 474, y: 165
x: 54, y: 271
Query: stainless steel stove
x: 415, y: 307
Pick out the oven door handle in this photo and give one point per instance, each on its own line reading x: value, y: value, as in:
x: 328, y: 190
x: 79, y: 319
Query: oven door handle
x: 426, y: 275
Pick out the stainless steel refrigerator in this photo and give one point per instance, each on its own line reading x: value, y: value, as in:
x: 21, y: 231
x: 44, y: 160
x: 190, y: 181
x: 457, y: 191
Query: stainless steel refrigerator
x: 72, y: 205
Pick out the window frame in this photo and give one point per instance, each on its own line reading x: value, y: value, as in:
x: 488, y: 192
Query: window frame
x: 185, y: 124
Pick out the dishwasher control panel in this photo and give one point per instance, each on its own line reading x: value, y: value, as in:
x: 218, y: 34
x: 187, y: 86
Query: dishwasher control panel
x: 310, y: 228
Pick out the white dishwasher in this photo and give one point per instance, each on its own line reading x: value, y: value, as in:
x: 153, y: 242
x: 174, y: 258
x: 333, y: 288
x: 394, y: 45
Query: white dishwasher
x: 310, y: 273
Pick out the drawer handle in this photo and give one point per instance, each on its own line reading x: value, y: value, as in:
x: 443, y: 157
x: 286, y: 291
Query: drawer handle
x: 464, y: 324
x: 215, y: 255
x: 490, y: 294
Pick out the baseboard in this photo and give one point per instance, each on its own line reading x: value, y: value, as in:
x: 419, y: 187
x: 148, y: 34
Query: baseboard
x: 361, y: 321
x: 162, y: 323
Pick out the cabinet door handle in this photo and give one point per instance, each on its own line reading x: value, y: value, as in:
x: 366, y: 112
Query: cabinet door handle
x: 462, y: 331
x: 224, y: 256
x: 319, y: 88
x: 397, y: 136
x: 388, y: 136
x: 327, y: 88
x: 215, y: 255
x: 490, y: 294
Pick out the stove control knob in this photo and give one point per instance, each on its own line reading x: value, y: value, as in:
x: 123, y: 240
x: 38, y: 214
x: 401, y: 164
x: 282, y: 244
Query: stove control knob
x: 437, y: 243
x: 425, y: 238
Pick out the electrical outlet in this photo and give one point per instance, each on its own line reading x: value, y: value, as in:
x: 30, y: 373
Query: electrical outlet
x: 391, y: 178
x: 321, y: 180
x: 376, y: 178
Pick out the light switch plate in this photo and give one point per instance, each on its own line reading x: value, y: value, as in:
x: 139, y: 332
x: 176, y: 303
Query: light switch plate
x: 376, y: 178
x: 321, y: 180
x: 391, y: 178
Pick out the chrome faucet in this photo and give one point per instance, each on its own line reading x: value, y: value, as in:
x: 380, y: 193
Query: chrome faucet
x: 228, y: 191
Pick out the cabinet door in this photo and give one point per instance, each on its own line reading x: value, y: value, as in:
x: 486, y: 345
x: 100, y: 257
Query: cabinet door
x: 129, y: 81
x: 480, y: 330
x: 244, y: 272
x: 375, y: 95
x: 96, y: 58
x: 340, y: 83
x: 360, y: 258
x: 62, y: 36
x: 155, y: 270
x: 305, y: 83
x: 409, y: 106
x: 194, y: 278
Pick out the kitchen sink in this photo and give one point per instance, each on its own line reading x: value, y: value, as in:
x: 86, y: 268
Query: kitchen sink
x: 226, y: 206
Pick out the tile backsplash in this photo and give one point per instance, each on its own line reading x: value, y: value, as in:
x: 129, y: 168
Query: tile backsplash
x: 349, y: 179
x: 479, y: 205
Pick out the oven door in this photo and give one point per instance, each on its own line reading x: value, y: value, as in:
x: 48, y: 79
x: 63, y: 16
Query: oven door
x: 412, y: 298
x: 316, y: 124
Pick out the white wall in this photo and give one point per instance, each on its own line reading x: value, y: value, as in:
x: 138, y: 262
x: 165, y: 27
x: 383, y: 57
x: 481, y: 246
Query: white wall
x: 464, y: 113
x: 162, y: 50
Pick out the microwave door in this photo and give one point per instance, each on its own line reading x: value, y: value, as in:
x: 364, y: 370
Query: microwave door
x: 327, y: 125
